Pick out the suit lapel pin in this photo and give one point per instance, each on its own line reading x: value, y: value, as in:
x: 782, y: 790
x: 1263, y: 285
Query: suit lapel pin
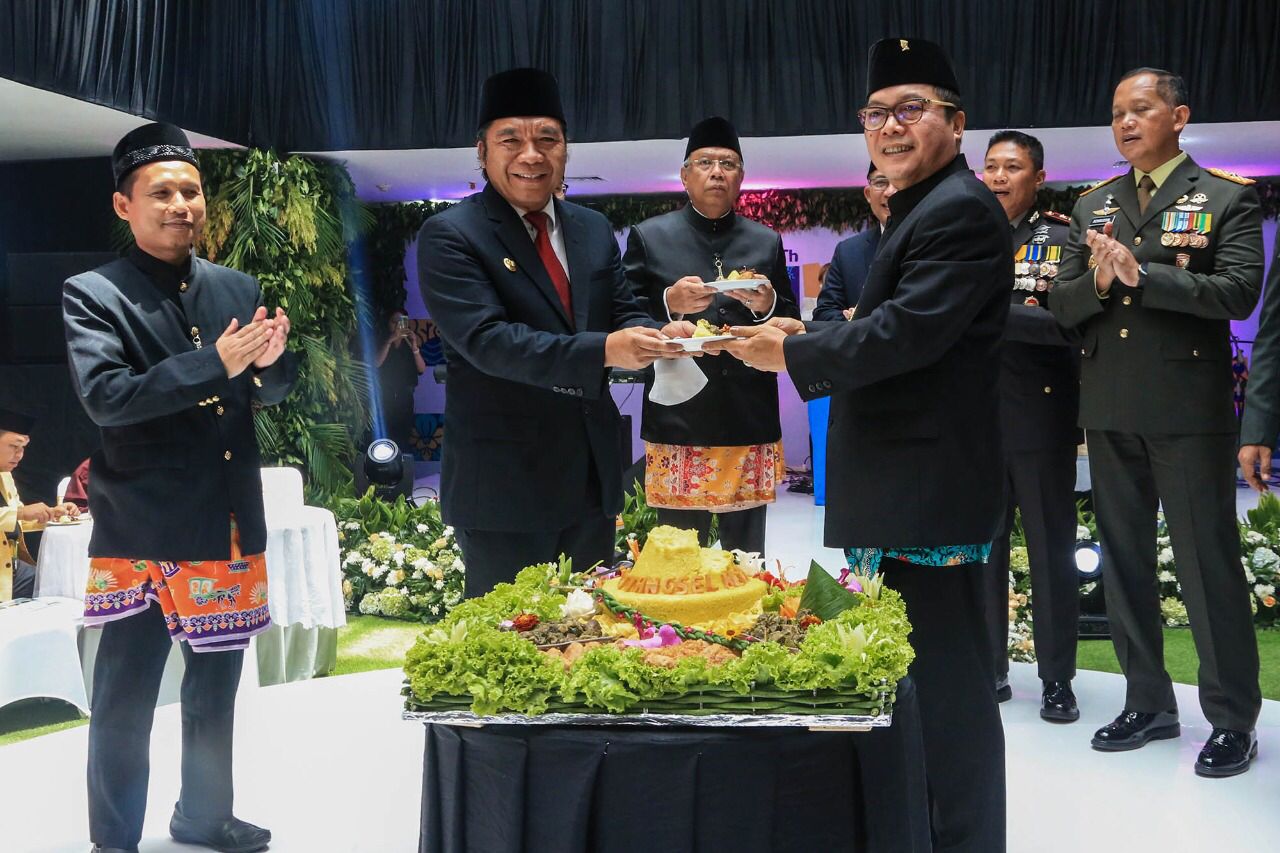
x: 509, y: 264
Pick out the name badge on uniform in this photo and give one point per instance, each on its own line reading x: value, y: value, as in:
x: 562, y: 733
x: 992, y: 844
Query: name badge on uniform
x: 1100, y: 221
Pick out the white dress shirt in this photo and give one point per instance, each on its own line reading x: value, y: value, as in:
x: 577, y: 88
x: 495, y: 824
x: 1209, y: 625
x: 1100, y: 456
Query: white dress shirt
x: 554, y: 232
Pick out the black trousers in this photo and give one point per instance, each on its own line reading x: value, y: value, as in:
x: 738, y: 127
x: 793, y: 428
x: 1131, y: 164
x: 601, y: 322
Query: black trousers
x: 495, y: 556
x: 1193, y: 477
x: 743, y: 529
x: 963, y: 734
x: 1042, y: 483
x: 24, y: 579
x: 126, y: 681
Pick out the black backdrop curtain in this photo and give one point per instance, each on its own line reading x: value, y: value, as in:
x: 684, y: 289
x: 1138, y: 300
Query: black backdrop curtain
x: 338, y: 74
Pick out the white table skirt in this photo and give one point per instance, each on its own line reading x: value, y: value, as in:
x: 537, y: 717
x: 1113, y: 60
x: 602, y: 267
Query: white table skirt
x: 38, y: 652
x: 304, y: 575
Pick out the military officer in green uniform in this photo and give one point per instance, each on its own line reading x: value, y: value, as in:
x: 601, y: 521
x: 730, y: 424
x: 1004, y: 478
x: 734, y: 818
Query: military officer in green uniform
x: 1159, y: 261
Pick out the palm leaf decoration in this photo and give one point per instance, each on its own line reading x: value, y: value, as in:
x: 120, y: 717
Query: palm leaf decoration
x: 288, y: 221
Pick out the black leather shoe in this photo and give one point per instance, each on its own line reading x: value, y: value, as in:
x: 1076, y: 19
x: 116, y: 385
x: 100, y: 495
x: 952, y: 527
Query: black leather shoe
x: 1058, y: 703
x: 1132, y: 729
x: 229, y: 835
x: 1227, y: 753
x: 1003, y: 691
x: 98, y: 848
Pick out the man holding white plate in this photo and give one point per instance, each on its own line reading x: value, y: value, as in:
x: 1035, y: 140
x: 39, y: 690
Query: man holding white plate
x: 719, y: 451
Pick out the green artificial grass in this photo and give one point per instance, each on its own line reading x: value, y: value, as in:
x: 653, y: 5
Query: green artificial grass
x: 34, y: 717
x: 373, y: 642
x: 1180, y: 658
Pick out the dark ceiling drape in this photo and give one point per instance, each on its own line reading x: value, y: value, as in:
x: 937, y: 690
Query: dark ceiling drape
x: 337, y: 74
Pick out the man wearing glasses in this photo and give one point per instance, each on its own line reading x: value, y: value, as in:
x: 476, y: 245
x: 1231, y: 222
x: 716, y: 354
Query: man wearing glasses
x: 853, y: 255
x: 915, y: 486
x: 731, y: 426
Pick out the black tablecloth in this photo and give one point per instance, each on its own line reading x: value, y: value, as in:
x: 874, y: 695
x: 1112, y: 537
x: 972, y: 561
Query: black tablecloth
x: 521, y: 789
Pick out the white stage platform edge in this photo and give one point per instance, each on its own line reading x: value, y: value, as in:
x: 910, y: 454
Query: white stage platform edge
x: 329, y: 766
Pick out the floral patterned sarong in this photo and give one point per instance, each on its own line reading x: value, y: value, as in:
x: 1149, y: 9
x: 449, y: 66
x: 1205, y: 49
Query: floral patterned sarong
x: 719, y: 479
x: 214, y: 605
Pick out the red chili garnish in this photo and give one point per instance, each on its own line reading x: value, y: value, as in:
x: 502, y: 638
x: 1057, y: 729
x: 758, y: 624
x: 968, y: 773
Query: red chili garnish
x: 809, y: 620
x: 525, y: 622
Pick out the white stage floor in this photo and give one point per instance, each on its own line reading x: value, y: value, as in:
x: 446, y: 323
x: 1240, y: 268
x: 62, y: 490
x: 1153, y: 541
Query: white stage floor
x: 330, y: 768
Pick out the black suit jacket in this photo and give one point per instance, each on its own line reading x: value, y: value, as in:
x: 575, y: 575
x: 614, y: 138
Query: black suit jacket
x: 1040, y: 376
x: 528, y: 415
x: 1156, y: 358
x: 175, y: 463
x: 914, y: 455
x: 739, y: 404
x: 842, y: 286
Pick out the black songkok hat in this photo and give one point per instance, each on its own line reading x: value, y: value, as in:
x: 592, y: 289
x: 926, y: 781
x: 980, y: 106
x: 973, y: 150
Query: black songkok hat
x: 150, y: 143
x: 11, y: 421
x: 520, y: 92
x: 894, y: 62
x: 714, y: 132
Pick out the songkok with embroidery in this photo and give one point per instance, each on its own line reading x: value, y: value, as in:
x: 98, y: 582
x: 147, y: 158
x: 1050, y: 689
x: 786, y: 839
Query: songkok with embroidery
x: 149, y: 144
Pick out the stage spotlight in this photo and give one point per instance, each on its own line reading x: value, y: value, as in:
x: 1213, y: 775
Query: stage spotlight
x: 1088, y: 562
x: 386, y: 469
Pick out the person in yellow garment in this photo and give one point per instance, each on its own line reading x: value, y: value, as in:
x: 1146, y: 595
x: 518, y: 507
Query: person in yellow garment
x: 17, y: 567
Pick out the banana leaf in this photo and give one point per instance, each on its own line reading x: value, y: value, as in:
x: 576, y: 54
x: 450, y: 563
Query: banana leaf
x: 824, y: 597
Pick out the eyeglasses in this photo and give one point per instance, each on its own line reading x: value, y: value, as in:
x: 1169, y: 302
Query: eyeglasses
x: 909, y: 111
x: 704, y: 164
x: 880, y: 184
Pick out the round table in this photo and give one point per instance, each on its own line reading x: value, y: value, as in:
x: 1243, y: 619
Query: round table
x: 304, y: 588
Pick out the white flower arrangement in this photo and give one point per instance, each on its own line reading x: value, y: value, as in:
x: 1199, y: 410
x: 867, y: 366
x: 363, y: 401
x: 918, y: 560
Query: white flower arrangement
x: 398, y: 560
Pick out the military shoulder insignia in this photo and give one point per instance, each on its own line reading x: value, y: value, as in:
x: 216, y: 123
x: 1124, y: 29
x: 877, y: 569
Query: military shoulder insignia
x: 1057, y: 217
x: 1231, y: 176
x: 1099, y: 184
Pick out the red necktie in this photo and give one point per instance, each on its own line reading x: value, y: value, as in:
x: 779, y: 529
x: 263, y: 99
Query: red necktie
x: 538, y: 220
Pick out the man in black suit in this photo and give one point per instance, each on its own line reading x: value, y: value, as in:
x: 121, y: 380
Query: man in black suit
x: 169, y: 355
x: 1152, y: 276
x: 530, y: 299
x: 853, y: 256
x: 916, y: 484
x: 1039, y: 404
x: 1260, y: 426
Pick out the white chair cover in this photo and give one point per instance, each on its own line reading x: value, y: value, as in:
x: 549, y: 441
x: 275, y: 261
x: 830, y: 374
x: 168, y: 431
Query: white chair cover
x: 282, y: 496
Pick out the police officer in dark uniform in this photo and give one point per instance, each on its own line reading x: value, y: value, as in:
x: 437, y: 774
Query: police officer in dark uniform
x: 1159, y: 261
x: 1039, y: 405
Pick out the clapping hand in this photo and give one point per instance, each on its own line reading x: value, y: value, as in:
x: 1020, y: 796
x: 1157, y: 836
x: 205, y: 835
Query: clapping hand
x: 1113, y: 258
x: 278, y: 340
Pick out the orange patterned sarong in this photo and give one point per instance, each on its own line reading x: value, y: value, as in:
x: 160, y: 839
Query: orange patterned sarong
x: 214, y: 605
x: 719, y: 479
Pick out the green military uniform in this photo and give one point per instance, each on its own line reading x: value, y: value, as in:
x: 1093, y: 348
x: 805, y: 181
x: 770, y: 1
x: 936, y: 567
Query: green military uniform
x: 1156, y: 405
